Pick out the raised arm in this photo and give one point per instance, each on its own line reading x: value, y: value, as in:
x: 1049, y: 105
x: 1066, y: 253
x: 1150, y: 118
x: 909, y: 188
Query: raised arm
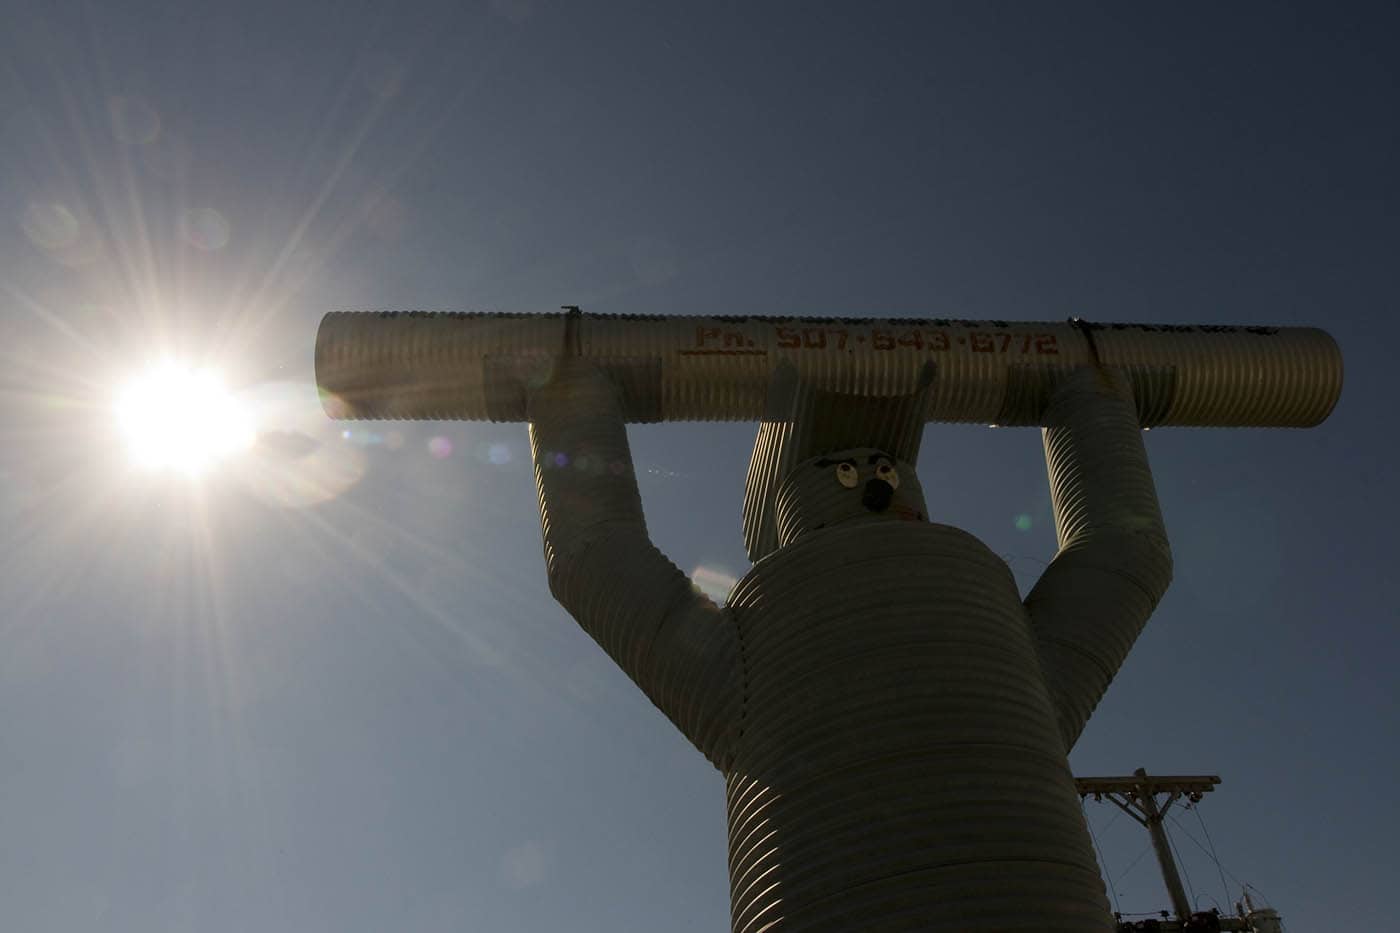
x: 1114, y: 563
x: 673, y: 642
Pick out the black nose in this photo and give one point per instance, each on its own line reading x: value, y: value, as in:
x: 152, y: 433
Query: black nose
x: 878, y: 494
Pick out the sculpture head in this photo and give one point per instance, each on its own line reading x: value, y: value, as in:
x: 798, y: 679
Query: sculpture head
x: 796, y: 469
x: 859, y: 484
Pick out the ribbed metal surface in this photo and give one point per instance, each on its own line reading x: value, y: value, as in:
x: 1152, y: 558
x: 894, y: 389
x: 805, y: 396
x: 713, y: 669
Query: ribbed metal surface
x: 1252, y: 377
x: 642, y: 610
x: 802, y: 421
x: 425, y: 365
x: 892, y: 722
x: 1114, y: 563
x: 899, y: 766
x: 480, y: 366
x: 811, y: 498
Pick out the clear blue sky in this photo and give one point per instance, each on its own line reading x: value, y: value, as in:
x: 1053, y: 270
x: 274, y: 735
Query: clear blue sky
x: 325, y: 689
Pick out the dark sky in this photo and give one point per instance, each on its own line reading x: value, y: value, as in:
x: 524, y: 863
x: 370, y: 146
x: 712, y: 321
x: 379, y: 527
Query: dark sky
x: 323, y: 687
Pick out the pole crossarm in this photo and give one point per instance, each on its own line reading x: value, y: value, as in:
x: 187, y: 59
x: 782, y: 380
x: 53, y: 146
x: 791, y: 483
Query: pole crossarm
x: 1136, y: 795
x: 1188, y: 786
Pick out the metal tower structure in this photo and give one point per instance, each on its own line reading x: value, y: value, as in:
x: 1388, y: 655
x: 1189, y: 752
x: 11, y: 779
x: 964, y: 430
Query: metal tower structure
x: 891, y: 719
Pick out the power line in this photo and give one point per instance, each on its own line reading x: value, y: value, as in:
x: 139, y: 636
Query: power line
x: 1200, y: 819
x: 1133, y: 863
x: 1218, y: 864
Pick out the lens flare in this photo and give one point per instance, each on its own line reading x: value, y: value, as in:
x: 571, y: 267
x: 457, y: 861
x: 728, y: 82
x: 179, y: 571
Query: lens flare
x: 182, y: 418
x: 714, y: 581
x: 301, y: 458
x: 205, y: 228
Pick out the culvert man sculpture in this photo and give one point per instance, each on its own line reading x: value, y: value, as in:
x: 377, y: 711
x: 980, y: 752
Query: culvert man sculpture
x: 892, y: 720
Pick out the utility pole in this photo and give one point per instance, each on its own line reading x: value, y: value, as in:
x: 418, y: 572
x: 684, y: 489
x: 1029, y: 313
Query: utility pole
x: 1137, y: 797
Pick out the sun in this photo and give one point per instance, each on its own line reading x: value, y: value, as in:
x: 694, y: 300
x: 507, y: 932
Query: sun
x: 182, y: 418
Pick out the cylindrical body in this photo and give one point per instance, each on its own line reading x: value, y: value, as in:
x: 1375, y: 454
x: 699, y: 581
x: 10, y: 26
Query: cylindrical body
x: 447, y: 365
x: 898, y: 764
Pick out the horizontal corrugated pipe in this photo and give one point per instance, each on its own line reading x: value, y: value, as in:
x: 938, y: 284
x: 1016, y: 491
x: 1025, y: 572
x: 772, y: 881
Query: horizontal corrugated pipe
x: 1114, y: 563
x: 674, y: 643
x: 449, y: 365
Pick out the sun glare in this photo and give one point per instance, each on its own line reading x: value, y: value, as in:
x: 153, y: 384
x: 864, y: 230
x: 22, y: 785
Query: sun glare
x: 181, y: 418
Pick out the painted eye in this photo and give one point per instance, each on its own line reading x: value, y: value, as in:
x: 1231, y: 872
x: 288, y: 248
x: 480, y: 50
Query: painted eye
x: 885, y: 470
x: 847, y: 476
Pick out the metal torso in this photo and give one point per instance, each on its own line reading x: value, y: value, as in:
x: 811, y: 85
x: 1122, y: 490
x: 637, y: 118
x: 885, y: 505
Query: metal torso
x: 898, y: 764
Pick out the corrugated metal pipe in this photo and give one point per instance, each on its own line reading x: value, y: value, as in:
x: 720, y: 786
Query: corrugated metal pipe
x: 639, y: 607
x: 1114, y: 563
x: 481, y: 367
